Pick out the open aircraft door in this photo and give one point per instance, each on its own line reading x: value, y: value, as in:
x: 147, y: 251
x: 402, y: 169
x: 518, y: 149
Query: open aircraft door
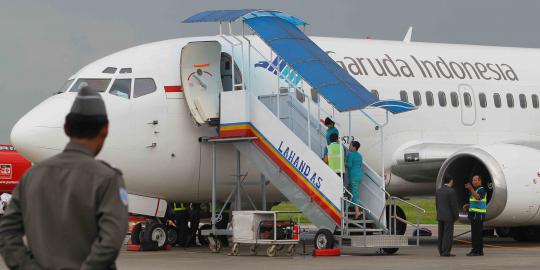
x: 201, y: 79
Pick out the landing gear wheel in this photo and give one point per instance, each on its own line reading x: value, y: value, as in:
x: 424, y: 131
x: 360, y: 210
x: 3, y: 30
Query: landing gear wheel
x: 401, y: 227
x: 136, y: 234
x: 253, y: 250
x: 390, y: 251
x: 172, y: 235
x: 235, y: 249
x: 291, y: 250
x: 324, y: 239
x: 214, y: 244
x: 271, y: 251
x: 155, y: 233
x: 503, y: 231
x: 528, y: 234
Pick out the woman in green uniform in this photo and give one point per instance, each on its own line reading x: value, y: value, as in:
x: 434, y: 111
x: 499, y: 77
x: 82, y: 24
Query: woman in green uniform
x: 331, y: 129
x: 354, y: 168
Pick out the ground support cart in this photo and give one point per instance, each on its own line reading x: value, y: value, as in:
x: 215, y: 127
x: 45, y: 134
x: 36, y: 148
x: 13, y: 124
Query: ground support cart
x: 262, y: 228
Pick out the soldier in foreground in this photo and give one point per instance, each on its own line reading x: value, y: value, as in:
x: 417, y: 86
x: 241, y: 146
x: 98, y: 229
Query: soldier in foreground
x: 72, y: 208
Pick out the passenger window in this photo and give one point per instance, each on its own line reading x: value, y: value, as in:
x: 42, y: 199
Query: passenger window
x: 121, y: 88
x: 442, y: 99
x: 99, y: 85
x: 535, y: 102
x: 467, y: 99
x: 454, y: 99
x: 300, y: 96
x: 143, y: 86
x: 522, y: 101
x: 375, y: 93
x: 403, y: 96
x: 417, y: 98
x: 483, y: 100
x: 497, y: 100
x: 429, y: 98
x: 314, y: 95
x: 510, y: 100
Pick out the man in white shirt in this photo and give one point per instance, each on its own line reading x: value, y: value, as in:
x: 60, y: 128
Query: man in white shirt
x: 4, y: 200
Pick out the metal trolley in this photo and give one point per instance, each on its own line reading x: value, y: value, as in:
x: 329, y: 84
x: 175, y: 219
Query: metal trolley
x: 258, y: 228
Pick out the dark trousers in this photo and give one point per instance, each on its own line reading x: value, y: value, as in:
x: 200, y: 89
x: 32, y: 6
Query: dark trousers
x: 194, y: 221
x: 477, y: 235
x: 446, y: 237
x: 181, y: 218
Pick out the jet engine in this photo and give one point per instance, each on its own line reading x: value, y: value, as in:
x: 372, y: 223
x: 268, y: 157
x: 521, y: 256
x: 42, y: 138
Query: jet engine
x: 511, y: 175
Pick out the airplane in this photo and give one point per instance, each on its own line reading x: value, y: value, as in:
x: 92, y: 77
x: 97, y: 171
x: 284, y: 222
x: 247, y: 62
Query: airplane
x: 475, y: 112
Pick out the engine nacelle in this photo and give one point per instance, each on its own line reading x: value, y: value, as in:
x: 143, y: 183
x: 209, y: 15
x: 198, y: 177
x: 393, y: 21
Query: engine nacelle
x: 510, y: 174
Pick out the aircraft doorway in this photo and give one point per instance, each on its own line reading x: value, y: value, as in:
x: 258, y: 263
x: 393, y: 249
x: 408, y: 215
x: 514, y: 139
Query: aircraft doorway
x: 205, y: 71
x: 467, y: 104
x: 226, y: 74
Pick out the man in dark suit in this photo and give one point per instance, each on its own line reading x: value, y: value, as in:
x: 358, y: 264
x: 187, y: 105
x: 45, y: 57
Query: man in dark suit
x: 447, y: 214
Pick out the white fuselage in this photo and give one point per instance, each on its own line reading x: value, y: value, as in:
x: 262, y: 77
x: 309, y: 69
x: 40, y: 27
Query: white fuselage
x: 154, y: 140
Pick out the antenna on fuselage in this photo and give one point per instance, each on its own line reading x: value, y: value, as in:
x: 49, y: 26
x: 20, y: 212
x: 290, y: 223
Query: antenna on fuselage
x: 408, y: 36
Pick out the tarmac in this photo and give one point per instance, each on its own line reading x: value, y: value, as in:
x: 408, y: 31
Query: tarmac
x: 500, y: 253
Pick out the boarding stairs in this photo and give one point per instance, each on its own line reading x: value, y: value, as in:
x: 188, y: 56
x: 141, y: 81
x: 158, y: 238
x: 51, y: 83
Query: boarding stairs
x: 285, y: 141
x: 280, y: 134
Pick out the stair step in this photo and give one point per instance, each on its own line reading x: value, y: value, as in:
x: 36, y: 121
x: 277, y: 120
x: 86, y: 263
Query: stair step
x: 359, y: 221
x: 379, y: 241
x: 365, y: 230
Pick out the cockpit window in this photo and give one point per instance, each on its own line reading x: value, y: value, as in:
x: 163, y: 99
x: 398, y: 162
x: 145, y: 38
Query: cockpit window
x: 143, y: 86
x: 110, y: 70
x: 125, y: 70
x: 99, y: 85
x: 66, y: 86
x: 121, y: 88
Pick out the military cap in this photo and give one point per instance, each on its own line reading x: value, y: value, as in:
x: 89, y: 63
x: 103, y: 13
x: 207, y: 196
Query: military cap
x: 89, y: 102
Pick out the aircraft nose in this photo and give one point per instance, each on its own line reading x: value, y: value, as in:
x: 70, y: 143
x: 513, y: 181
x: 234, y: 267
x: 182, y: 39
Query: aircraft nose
x: 39, y: 134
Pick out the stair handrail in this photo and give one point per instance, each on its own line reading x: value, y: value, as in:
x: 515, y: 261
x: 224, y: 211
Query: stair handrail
x: 408, y: 203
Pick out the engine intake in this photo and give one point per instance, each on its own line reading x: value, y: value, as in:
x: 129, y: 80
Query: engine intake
x: 510, y: 174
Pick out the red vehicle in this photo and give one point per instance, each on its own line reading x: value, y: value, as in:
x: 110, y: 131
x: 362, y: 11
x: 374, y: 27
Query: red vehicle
x: 12, y: 167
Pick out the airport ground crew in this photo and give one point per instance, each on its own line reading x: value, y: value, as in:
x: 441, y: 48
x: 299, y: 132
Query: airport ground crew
x: 72, y: 208
x: 194, y: 221
x: 334, y: 155
x: 181, y: 218
x: 477, y: 213
x: 355, y: 173
x: 331, y: 129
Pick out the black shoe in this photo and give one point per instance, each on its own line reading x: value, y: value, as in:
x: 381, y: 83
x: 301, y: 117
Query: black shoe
x: 474, y: 254
x: 448, y: 255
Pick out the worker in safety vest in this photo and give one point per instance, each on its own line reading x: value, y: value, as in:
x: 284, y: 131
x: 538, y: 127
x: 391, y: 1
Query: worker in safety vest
x: 477, y: 212
x: 334, y: 155
x: 181, y: 218
x: 331, y: 129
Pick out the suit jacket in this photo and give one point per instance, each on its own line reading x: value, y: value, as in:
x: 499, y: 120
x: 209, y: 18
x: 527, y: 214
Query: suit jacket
x: 446, y: 204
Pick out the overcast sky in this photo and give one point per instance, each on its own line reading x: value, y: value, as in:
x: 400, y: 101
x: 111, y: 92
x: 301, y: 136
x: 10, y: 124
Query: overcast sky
x: 43, y: 42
